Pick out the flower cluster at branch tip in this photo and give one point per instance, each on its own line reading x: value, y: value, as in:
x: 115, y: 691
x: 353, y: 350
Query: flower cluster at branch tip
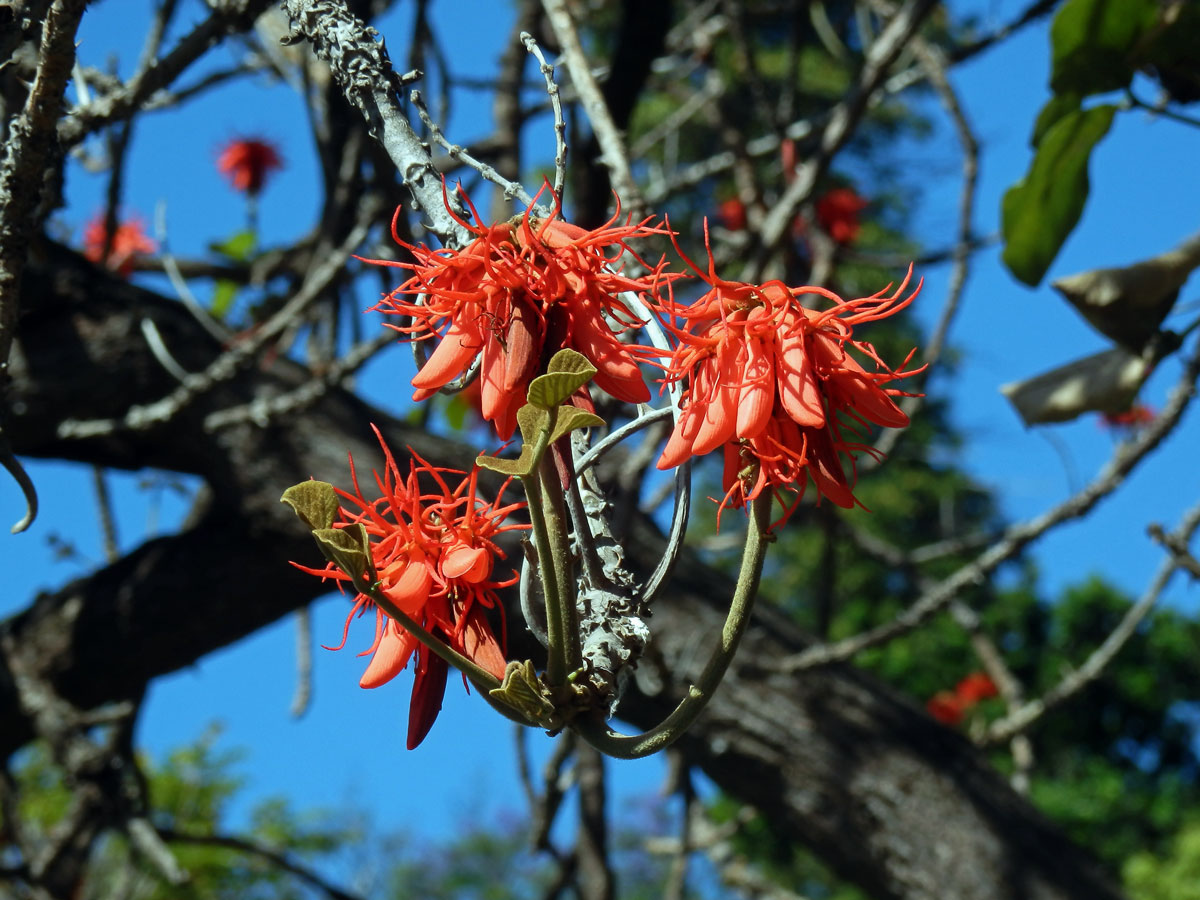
x: 773, y: 382
x: 837, y: 214
x: 517, y: 293
x: 951, y: 707
x: 129, y: 242
x: 433, y: 545
x: 248, y: 162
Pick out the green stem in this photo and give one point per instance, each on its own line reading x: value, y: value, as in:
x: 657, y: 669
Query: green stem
x: 553, y: 563
x: 554, y: 508
x: 622, y: 746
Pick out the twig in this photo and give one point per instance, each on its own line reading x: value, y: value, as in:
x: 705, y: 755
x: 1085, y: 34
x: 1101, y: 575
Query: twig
x: 934, y: 64
x: 512, y: 189
x: 360, y: 65
x: 122, y: 103
x: 254, y: 848
x: 1073, y: 682
x: 108, y: 524
x: 263, y: 409
x: 179, y: 283
x: 843, y: 119
x: 302, y: 698
x: 225, y: 366
x: 1126, y: 457
x: 612, y: 144
x: 560, y: 124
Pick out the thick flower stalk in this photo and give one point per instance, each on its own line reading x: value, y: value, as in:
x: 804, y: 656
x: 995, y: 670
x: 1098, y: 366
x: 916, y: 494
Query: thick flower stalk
x: 433, y: 548
x: 775, y: 384
x: 515, y: 295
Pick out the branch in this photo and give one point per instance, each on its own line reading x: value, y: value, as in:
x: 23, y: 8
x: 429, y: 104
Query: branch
x: 254, y: 848
x: 361, y: 66
x: 1016, y: 537
x: 29, y: 153
x: 843, y: 120
x: 1019, y: 720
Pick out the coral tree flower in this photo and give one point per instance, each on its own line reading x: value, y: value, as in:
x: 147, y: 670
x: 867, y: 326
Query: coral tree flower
x: 837, y: 213
x: 515, y: 295
x: 774, y: 383
x: 129, y: 242
x: 951, y: 707
x: 247, y: 163
x: 434, y: 550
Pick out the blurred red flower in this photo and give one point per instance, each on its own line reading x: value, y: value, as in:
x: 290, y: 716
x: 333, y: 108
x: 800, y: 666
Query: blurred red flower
x: 247, y: 162
x: 434, y: 548
x: 731, y: 214
x: 129, y: 241
x: 976, y: 687
x: 837, y: 213
x: 947, y: 708
x: 774, y: 383
x: 518, y: 293
x: 951, y: 707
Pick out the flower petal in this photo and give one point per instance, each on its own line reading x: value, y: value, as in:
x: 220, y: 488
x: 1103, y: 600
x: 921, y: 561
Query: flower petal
x: 429, y: 688
x: 472, y: 564
x: 799, y: 393
x: 391, y: 656
x: 452, y: 356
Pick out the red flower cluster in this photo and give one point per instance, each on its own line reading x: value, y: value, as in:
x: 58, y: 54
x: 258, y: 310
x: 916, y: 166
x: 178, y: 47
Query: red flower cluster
x: 731, y: 214
x: 773, y: 382
x: 837, y: 214
x: 951, y: 707
x: 519, y: 292
x: 434, y: 549
x: 247, y: 162
x: 129, y: 241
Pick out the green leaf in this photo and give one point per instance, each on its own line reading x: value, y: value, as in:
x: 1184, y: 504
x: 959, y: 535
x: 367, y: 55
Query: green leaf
x: 571, y: 361
x: 1041, y: 210
x: 238, y: 247
x: 525, y: 692
x: 348, y: 548
x: 570, y: 418
x: 1055, y: 109
x: 224, y: 293
x: 519, y: 467
x: 567, y: 372
x: 532, y: 420
x: 315, y: 502
x: 1094, y: 43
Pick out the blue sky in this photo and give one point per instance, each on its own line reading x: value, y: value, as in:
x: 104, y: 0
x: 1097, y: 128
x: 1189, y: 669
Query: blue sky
x: 1005, y: 332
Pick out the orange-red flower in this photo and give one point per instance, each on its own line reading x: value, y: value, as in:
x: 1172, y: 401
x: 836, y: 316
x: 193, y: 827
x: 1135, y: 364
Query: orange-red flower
x: 515, y: 295
x: 247, y: 162
x: 434, y: 550
x: 129, y: 241
x: 947, y: 707
x: 775, y: 384
x: 837, y: 212
x: 951, y: 707
x: 976, y: 687
x: 732, y: 214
